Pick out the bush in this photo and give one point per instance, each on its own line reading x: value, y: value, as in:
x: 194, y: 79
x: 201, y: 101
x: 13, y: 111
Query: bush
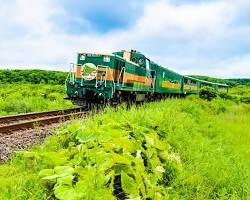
x: 245, y: 100
x: 208, y: 93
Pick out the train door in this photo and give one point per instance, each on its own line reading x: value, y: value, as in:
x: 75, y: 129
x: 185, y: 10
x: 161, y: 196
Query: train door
x: 152, y: 74
x: 119, y: 71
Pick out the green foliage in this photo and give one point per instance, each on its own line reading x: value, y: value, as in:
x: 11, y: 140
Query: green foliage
x: 174, y: 149
x: 34, y: 76
x: 240, y: 81
x: 208, y: 93
x: 230, y: 82
x: 23, y: 98
x: 237, y: 94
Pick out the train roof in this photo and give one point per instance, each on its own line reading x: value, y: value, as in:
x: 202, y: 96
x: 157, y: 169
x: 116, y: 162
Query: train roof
x: 167, y: 68
x: 208, y: 82
x: 189, y: 77
x: 97, y: 53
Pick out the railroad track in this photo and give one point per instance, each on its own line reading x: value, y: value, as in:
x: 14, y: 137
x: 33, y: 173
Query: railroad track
x: 8, y: 124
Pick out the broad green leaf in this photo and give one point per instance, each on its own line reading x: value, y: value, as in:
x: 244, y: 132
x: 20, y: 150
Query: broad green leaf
x: 103, y: 194
x: 46, y: 172
x: 86, y: 136
x: 60, y: 171
x: 65, y: 192
x: 125, y: 143
x: 122, y: 159
x: 66, y: 180
x: 64, y: 169
x: 129, y: 185
x: 54, y: 176
x: 150, y: 141
x: 164, y: 155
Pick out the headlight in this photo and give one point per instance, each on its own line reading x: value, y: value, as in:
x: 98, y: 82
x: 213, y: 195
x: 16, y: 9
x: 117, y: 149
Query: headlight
x: 106, y: 58
x: 82, y: 57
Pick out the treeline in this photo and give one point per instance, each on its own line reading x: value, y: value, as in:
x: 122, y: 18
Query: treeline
x: 32, y: 76
x: 37, y: 76
x: 230, y: 82
x: 240, y: 81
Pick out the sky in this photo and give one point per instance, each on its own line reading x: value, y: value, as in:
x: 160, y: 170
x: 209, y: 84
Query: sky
x: 201, y: 37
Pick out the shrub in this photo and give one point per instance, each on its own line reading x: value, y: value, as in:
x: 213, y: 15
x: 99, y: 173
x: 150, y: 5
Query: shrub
x: 208, y: 93
x: 245, y: 100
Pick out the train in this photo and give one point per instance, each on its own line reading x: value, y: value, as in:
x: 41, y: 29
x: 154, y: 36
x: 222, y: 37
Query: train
x: 130, y: 76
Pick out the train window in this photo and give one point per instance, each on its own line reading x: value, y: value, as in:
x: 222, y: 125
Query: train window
x: 163, y: 74
x: 147, y: 64
x: 106, y: 58
x: 82, y: 57
x: 141, y: 61
x: 134, y: 60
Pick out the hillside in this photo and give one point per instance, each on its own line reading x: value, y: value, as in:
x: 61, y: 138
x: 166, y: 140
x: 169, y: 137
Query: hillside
x: 230, y: 82
x: 240, y: 81
x: 34, y: 76
x: 174, y: 149
x: 58, y: 77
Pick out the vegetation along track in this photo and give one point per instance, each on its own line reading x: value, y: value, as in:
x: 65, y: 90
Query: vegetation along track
x: 8, y: 124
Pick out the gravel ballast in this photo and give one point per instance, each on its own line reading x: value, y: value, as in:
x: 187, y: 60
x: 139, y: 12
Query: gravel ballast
x: 23, y: 139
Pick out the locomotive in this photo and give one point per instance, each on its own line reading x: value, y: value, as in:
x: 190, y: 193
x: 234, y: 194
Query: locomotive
x: 98, y: 78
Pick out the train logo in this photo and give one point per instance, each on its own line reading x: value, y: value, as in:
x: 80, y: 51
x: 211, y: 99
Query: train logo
x: 89, y: 71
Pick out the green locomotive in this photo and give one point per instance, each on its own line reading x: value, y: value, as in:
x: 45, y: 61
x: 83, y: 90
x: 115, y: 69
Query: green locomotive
x: 126, y: 76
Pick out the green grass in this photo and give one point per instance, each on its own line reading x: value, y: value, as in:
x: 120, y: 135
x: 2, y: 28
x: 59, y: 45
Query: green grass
x: 25, y: 97
x: 240, y: 91
x: 174, y: 149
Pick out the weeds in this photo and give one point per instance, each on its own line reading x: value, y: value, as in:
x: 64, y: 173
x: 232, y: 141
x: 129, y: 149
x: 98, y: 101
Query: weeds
x: 174, y: 149
x: 23, y: 98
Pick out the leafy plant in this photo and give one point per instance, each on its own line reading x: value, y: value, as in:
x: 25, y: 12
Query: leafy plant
x: 208, y: 93
x: 174, y: 149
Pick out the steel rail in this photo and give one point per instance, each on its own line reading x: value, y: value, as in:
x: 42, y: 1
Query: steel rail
x: 11, y: 118
x: 9, y: 124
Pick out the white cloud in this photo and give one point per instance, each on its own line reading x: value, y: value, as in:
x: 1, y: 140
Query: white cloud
x: 236, y: 67
x: 33, y: 15
x: 186, y: 19
x: 173, y: 35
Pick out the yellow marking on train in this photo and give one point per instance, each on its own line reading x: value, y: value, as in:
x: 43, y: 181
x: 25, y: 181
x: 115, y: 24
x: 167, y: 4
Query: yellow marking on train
x: 78, y: 73
x: 109, y: 76
x: 167, y: 84
x: 190, y: 87
x: 127, y: 55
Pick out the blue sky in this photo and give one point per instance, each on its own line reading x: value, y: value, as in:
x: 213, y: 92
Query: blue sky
x: 190, y: 36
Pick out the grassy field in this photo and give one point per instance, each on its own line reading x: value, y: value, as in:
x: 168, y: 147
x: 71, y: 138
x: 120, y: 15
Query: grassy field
x: 174, y: 149
x: 26, y: 97
x: 240, y: 91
